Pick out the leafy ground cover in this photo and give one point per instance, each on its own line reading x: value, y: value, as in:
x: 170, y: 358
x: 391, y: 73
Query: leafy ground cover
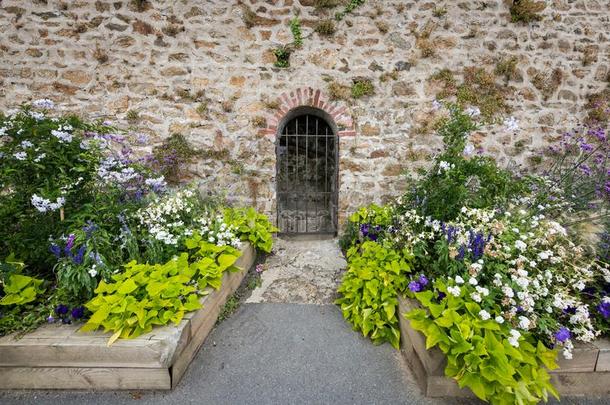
x: 510, y: 268
x: 90, y: 230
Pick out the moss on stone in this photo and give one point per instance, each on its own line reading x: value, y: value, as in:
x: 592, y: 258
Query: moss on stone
x: 526, y: 11
x: 362, y: 87
x: 325, y: 27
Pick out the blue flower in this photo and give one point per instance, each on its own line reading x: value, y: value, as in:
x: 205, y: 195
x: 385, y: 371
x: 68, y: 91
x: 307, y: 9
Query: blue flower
x: 423, y: 280
x: 415, y: 286
x: 90, y: 228
x: 61, y: 309
x: 56, y: 250
x: 562, y: 334
x: 78, y: 258
x: 604, y: 309
x: 78, y: 312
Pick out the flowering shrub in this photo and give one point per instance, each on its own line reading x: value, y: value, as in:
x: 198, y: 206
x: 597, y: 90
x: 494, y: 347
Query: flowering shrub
x: 503, y: 277
x: 56, y: 173
x: 78, y: 202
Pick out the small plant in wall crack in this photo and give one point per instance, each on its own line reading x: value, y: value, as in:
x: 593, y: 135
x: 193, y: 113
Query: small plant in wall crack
x: 353, y: 4
x: 295, y: 28
x: 282, y: 57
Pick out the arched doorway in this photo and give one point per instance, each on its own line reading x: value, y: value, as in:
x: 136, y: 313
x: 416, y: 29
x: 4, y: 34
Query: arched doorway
x: 307, y: 172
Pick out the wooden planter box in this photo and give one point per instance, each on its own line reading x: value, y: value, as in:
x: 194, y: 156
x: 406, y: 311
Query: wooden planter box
x: 588, y: 373
x: 60, y: 357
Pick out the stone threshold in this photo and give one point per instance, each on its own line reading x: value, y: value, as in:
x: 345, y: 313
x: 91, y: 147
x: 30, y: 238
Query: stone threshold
x: 60, y: 357
x: 587, y: 373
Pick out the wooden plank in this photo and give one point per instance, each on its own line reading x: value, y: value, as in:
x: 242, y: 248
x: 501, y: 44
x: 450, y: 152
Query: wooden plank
x: 434, y: 361
x: 98, y: 378
x: 203, y: 321
x: 596, y: 383
x: 603, y: 359
x: 584, y: 358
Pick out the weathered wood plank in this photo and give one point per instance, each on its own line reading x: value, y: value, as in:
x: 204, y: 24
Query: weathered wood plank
x: 584, y: 358
x: 603, y: 359
x: 203, y: 321
x: 434, y: 361
x: 596, y: 383
x: 98, y: 378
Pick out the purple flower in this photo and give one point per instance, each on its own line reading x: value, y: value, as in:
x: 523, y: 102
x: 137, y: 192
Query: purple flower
x: 259, y: 268
x: 90, y: 228
x: 61, y: 309
x: 78, y: 312
x: 69, y: 244
x: 50, y: 319
x: 423, y: 280
x: 562, y: 334
x: 604, y: 309
x: 441, y: 295
x: 415, y: 286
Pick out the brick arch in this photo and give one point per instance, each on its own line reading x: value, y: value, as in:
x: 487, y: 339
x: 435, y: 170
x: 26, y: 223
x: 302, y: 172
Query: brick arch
x: 308, y: 97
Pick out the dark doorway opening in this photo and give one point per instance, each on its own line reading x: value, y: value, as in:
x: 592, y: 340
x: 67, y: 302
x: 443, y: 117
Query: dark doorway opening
x: 307, y: 172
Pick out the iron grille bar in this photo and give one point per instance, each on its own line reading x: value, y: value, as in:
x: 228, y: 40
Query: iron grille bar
x: 301, y: 176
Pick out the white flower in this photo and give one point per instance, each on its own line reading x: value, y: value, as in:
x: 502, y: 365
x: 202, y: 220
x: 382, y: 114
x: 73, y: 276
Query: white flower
x: 484, y: 315
x: 473, y: 281
x: 567, y: 354
x: 473, y: 111
x: 511, y: 124
x: 499, y: 319
x: 455, y: 291
x: 64, y: 137
x: 459, y: 280
x: 524, y: 323
x: 43, y: 205
x: 43, y: 103
x: 26, y: 144
x: 514, y: 337
x: 20, y: 155
x: 468, y: 150
x: 92, y: 271
x: 476, y: 297
x: 38, y: 116
x: 519, y: 244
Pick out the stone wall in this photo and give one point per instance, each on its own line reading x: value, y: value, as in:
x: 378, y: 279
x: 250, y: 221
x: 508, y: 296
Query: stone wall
x: 195, y: 68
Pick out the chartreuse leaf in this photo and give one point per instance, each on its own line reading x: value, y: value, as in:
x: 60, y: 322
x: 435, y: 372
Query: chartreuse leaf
x: 146, y: 295
x: 20, y: 290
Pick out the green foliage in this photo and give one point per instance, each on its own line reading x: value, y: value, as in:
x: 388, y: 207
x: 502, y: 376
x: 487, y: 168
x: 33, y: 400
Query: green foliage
x: 146, y: 295
x: 526, y: 11
x: 479, y: 352
x: 282, y: 57
x: 295, y: 28
x: 251, y: 226
x: 361, y: 88
x: 20, y: 289
x: 172, y: 156
x: 375, y: 275
x: 349, y: 7
x: 457, y: 180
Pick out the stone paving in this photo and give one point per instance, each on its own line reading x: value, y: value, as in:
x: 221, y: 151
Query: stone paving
x: 301, y: 272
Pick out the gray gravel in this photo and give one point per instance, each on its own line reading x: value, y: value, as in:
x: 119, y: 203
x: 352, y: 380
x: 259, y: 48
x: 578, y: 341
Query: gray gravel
x: 276, y: 354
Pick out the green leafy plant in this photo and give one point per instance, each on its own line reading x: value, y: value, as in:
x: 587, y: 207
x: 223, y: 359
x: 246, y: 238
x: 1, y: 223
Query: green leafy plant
x: 483, y: 355
x: 366, y: 219
x: 362, y: 87
x: 295, y: 28
x: 146, y: 295
x: 20, y: 289
x: 375, y: 275
x: 282, y: 57
x: 325, y: 27
x: 251, y: 226
x: 349, y: 7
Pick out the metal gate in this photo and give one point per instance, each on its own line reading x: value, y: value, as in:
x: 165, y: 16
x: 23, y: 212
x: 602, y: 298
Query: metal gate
x: 307, y: 157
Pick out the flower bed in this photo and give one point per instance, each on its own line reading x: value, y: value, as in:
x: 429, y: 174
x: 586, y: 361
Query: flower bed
x: 509, y: 269
x: 587, y: 373
x: 63, y: 357
x: 92, y: 237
